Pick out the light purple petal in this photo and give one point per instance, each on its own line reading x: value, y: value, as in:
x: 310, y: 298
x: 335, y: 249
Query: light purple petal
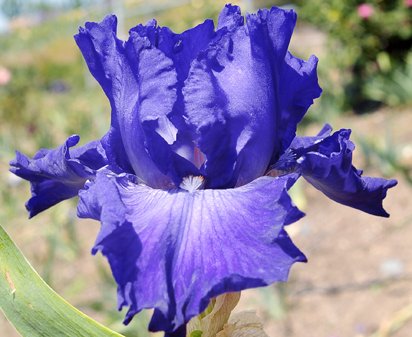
x: 175, y: 250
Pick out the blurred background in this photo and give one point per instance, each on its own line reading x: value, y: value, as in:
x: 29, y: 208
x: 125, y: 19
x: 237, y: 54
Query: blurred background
x: 358, y: 282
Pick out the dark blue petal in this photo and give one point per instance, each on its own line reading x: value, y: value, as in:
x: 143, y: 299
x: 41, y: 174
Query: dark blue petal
x: 180, y: 332
x: 287, y: 162
x: 58, y: 174
x: 299, y: 87
x: 306, y: 142
x: 272, y: 30
x: 327, y: 165
x: 295, y: 81
x: 229, y: 100
x: 175, y: 250
x: 172, y: 164
x: 245, y: 95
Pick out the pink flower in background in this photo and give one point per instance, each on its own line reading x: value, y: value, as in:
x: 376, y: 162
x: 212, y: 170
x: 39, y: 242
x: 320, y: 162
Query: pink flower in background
x: 5, y: 76
x: 408, y: 3
x: 365, y: 11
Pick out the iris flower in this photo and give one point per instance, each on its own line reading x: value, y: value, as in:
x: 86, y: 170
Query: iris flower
x: 190, y: 182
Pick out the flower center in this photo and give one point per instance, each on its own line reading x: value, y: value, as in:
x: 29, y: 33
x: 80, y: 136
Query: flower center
x: 285, y: 164
x: 192, y: 183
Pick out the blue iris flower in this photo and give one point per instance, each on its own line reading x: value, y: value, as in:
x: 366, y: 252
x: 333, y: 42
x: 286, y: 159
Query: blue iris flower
x: 190, y: 182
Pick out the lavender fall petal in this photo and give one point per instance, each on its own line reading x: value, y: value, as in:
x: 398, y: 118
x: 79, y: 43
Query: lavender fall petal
x: 175, y: 250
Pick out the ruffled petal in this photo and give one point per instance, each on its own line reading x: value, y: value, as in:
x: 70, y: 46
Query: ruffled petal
x: 143, y: 80
x: 287, y: 162
x: 305, y: 142
x: 139, y: 82
x: 299, y: 87
x: 181, y: 49
x: 269, y: 32
x: 240, y: 136
x: 230, y: 17
x: 175, y: 250
x: 58, y: 174
x: 157, y: 79
x: 327, y: 165
x: 235, y: 134
x: 295, y: 81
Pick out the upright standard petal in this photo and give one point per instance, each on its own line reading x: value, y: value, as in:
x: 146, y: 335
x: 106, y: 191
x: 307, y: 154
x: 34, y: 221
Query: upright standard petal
x: 58, y: 174
x: 235, y: 134
x: 295, y: 80
x: 175, y: 250
x: 135, y: 78
x: 299, y: 87
x: 248, y: 61
x: 181, y: 49
x: 157, y: 80
x: 327, y: 165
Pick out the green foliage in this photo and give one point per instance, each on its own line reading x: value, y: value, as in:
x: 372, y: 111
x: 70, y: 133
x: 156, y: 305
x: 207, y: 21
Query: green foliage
x: 393, y: 87
x: 32, y: 306
x: 386, y: 156
x: 363, y: 47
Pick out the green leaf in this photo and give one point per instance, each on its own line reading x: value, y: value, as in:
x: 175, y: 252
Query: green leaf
x: 32, y: 306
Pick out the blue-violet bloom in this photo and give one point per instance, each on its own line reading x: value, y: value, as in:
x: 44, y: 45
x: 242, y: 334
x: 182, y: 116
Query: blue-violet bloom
x: 190, y: 182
